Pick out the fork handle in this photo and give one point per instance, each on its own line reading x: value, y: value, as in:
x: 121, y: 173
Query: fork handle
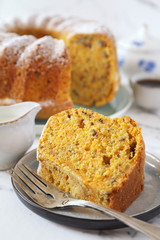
x: 139, y: 225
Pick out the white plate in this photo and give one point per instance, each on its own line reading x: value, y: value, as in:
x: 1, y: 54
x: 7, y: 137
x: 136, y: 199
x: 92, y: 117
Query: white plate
x: 116, y: 108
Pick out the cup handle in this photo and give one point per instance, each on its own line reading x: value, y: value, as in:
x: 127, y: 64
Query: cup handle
x: 131, y: 83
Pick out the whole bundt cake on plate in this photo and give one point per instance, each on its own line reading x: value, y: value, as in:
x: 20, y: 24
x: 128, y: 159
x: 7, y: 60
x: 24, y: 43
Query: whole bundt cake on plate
x: 42, y: 69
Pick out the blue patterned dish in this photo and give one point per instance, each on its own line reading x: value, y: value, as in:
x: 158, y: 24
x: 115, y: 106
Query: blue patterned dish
x: 139, y: 53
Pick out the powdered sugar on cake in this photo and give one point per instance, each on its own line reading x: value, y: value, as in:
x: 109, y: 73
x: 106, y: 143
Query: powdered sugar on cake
x: 15, y: 45
x: 45, y: 47
x: 75, y: 25
x: 69, y: 25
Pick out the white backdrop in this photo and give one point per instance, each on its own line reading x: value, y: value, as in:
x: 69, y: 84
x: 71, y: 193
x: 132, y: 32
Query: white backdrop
x: 123, y: 17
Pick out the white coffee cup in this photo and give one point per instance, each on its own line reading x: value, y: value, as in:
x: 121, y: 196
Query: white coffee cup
x: 146, y: 89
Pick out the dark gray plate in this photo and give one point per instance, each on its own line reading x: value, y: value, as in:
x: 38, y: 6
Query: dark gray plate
x: 146, y: 206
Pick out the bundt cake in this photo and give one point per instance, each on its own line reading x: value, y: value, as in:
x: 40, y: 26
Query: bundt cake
x: 93, y: 157
x: 35, y: 70
x: 94, y: 69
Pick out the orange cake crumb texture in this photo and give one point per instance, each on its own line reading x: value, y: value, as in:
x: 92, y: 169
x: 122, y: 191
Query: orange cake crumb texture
x: 93, y: 157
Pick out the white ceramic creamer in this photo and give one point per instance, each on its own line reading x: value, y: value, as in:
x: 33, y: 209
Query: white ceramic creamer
x: 17, y: 131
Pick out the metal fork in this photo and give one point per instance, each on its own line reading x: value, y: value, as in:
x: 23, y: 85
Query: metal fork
x: 47, y: 195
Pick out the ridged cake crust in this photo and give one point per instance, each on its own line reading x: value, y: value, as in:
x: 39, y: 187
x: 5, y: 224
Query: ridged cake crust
x: 93, y: 157
x: 11, y: 48
x: 94, y: 69
x: 35, y: 70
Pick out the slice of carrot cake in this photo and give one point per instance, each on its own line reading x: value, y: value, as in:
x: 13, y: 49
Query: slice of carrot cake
x: 93, y: 157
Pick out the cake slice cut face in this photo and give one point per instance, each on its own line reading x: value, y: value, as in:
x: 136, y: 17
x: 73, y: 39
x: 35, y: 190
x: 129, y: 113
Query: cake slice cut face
x: 93, y: 157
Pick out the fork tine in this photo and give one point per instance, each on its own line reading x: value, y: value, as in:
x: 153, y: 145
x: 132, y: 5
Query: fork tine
x: 29, y: 184
x: 43, y: 181
x: 33, y: 178
x: 37, y: 196
x: 29, y: 193
x: 49, y: 186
